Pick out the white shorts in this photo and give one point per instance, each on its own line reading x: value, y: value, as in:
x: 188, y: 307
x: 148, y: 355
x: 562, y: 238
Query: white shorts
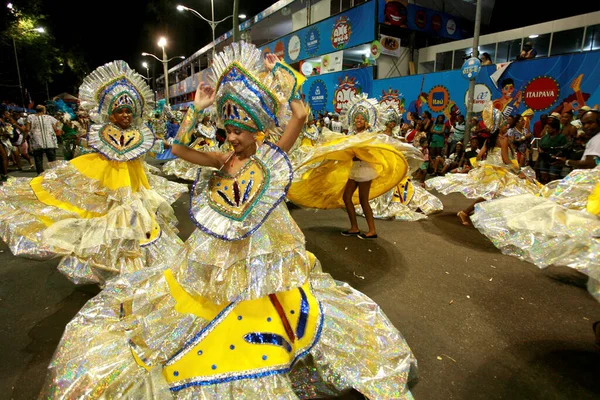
x: 362, y: 171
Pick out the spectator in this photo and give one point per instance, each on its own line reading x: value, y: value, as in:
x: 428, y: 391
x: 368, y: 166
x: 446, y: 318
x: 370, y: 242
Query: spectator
x: 173, y: 127
x: 458, y: 133
x: 520, y: 137
x: 69, y: 137
x: 465, y: 165
x: 336, y: 125
x: 486, y: 59
x: 528, y: 52
x: 437, y: 141
x: 315, y: 72
x: 421, y: 173
x: 591, y: 155
x: 550, y: 145
x: 365, y: 61
x: 567, y: 129
x: 482, y: 132
x: 427, y: 121
x: 42, y: 128
x: 455, y: 159
x: 538, y: 127
x: 414, y: 134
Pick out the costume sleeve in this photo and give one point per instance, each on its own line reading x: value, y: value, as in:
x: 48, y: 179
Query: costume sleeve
x: 186, y: 129
x: 290, y: 80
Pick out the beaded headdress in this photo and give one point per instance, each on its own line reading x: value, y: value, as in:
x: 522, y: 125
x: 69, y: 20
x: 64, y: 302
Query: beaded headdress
x: 113, y: 86
x: 375, y: 114
x: 109, y: 88
x: 492, y: 117
x: 248, y: 96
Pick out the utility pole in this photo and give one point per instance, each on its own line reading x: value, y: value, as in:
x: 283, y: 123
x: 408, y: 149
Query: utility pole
x: 472, y: 80
x: 236, y: 21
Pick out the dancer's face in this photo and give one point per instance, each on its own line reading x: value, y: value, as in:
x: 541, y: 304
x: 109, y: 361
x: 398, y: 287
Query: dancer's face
x: 360, y: 123
x: 240, y: 139
x: 122, y: 117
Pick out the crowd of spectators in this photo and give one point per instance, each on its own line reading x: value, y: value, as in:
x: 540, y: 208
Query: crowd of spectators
x: 26, y: 137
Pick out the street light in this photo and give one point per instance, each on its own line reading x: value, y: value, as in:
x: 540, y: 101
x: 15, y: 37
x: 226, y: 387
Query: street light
x: 39, y: 30
x: 213, y: 24
x: 162, y: 42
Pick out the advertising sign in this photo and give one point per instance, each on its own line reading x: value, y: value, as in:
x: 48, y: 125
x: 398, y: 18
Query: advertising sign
x: 337, y: 88
x: 348, y: 29
x: 332, y: 62
x: 390, y: 45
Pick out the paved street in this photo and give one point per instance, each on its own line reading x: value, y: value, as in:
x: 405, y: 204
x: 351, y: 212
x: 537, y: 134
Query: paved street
x: 482, y: 325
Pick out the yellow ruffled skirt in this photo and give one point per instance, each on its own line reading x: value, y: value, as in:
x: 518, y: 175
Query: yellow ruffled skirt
x: 321, y: 176
x: 101, y: 215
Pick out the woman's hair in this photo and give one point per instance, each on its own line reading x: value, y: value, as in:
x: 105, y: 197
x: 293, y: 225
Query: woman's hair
x: 491, y: 141
x: 515, y: 120
x: 438, y: 118
x: 422, y: 140
x: 554, y: 123
x: 486, y: 55
x: 427, y: 114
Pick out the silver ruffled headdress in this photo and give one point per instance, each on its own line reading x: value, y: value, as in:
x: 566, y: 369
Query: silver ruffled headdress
x: 110, y: 87
x: 375, y: 114
x: 248, y: 96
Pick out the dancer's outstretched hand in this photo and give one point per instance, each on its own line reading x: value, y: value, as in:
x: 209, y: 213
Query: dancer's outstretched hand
x: 205, y: 96
x: 270, y: 61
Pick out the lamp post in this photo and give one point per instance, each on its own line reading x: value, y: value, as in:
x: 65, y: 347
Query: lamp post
x: 165, y: 62
x: 39, y: 30
x: 213, y: 24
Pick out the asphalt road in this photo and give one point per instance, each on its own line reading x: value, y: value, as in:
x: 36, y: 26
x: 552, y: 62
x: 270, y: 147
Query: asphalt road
x: 482, y: 325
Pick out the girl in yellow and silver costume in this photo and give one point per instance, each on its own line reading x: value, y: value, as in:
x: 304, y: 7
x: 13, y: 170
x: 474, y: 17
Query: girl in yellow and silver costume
x: 97, y: 211
x: 206, y: 140
x: 405, y: 202
x: 497, y: 176
x: 309, y: 137
x: 245, y: 311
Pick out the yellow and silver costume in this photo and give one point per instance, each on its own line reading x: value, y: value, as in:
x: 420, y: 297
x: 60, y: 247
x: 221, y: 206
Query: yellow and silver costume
x: 206, y: 140
x: 320, y: 178
x: 245, y: 311
x: 559, y: 227
x: 97, y: 211
x: 405, y: 202
x: 491, y: 178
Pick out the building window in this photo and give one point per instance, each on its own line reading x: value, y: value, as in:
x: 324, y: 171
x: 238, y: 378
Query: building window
x: 336, y: 6
x: 443, y: 61
x: 460, y: 56
x: 508, y: 51
x: 565, y: 42
x: 346, y: 4
x: 490, y: 49
x: 541, y: 44
x: 592, y: 38
x: 426, y: 67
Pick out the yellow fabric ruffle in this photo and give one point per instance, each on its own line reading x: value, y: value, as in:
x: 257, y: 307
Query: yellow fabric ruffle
x: 112, y: 174
x: 320, y: 180
x: 593, y: 205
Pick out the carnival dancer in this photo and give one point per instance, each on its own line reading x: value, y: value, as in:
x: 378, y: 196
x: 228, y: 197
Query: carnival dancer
x: 366, y: 160
x: 405, y: 202
x: 97, y: 211
x: 205, y: 135
x: 498, y: 175
x: 244, y: 311
x: 309, y: 137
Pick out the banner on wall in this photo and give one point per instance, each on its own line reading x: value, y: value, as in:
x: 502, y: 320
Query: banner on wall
x: 332, y: 62
x: 390, y: 45
x: 410, y: 16
x: 545, y: 85
x: 348, y: 29
x: 332, y: 92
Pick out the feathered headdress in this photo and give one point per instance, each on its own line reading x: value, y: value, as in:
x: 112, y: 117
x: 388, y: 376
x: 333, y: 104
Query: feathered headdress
x: 375, y: 114
x: 248, y: 96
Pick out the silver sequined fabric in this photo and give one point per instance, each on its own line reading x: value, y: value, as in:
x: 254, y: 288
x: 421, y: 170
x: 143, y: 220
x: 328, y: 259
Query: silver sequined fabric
x: 358, y: 348
x: 491, y: 179
x: 420, y: 206
x: 548, y: 231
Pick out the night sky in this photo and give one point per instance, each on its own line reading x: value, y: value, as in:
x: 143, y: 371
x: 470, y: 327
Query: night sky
x: 123, y: 29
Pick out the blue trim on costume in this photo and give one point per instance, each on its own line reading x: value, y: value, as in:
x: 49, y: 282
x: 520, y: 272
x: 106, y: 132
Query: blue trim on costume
x: 192, y: 341
x: 268, y: 338
x: 260, y: 374
x: 303, y: 317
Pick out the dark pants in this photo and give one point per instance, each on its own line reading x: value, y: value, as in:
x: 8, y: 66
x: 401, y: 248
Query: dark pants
x: 38, y: 156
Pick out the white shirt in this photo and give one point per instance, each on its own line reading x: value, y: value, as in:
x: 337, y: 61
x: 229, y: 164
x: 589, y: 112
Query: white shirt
x: 336, y: 126
x: 592, y: 148
x: 42, y: 131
